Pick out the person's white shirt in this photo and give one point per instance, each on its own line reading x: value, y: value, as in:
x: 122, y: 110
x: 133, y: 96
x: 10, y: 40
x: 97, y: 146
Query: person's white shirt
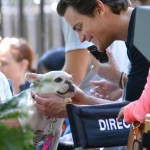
x: 5, y: 92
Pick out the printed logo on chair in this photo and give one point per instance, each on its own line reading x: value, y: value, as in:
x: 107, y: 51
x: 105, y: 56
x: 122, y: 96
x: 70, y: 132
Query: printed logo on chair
x: 112, y: 124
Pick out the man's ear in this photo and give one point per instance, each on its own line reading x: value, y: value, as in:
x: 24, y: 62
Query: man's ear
x: 33, y: 77
x: 100, y: 7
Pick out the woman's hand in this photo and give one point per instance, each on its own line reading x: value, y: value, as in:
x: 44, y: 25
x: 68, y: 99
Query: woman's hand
x: 120, y: 114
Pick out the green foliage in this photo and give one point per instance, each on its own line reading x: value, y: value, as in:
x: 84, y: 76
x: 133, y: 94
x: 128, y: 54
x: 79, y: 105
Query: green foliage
x: 12, y: 138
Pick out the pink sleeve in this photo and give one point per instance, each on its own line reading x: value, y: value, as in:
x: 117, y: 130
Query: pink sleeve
x: 137, y: 110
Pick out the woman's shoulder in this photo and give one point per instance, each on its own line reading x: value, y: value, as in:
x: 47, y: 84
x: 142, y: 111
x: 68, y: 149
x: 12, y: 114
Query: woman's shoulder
x: 4, y: 88
x: 3, y: 79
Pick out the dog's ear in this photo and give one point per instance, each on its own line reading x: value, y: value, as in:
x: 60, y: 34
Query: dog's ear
x: 33, y: 77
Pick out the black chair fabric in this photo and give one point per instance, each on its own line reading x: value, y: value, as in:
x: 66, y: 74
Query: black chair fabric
x: 96, y: 126
x: 65, y: 146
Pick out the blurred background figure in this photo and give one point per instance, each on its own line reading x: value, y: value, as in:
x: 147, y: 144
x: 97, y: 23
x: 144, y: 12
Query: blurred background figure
x: 51, y: 60
x: 16, y: 58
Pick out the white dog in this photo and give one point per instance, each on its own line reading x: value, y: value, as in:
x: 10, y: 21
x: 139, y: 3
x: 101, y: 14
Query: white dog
x: 49, y: 130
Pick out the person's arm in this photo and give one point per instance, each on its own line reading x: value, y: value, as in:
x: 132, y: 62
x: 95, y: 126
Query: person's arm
x: 52, y: 105
x: 84, y: 99
x: 137, y: 110
x: 76, y: 64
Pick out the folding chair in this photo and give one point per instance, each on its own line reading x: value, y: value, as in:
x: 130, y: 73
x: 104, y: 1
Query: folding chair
x: 96, y: 126
x: 146, y: 134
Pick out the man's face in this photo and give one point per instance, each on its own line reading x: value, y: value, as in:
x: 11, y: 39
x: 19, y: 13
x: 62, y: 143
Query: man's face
x: 93, y: 29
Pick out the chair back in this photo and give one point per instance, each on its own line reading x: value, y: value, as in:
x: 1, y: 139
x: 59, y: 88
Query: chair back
x: 96, y: 126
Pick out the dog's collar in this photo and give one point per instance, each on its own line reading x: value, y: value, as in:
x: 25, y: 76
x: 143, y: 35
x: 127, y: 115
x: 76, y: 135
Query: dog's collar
x: 68, y: 100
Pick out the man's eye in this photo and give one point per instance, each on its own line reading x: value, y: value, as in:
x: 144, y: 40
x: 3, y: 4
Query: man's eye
x: 78, y: 29
x: 58, y: 80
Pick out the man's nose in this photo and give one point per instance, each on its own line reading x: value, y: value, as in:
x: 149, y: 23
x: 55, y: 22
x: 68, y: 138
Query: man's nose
x: 81, y: 37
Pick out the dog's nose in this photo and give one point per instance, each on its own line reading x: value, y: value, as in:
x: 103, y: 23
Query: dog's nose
x: 71, y: 87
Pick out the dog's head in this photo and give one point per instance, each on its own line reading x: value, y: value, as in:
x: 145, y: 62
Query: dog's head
x: 57, y: 82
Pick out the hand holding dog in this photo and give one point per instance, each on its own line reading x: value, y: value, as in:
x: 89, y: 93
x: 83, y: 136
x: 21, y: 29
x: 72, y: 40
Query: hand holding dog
x: 50, y: 105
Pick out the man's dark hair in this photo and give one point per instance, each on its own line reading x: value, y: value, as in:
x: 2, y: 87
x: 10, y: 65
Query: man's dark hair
x: 86, y: 7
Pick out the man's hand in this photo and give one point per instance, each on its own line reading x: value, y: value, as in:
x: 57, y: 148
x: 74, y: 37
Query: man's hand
x: 50, y: 105
x: 109, y: 71
x: 106, y: 90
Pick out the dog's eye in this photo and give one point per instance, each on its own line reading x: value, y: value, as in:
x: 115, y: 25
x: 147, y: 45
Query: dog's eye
x: 58, y: 80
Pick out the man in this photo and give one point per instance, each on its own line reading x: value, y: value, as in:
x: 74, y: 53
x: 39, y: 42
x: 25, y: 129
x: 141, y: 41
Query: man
x: 58, y: 110
x: 101, y: 23
x: 98, y: 21
x: 109, y: 86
